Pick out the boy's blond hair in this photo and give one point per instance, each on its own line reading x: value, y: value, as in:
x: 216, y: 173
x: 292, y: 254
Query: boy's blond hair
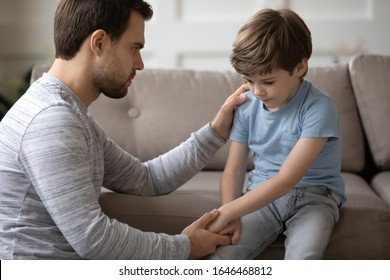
x: 271, y: 39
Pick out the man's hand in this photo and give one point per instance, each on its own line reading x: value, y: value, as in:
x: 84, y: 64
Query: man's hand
x: 204, y: 242
x: 222, y: 123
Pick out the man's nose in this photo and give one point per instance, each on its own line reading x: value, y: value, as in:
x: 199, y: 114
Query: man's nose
x: 138, y: 63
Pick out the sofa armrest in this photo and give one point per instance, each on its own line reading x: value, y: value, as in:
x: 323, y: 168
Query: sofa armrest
x: 381, y: 184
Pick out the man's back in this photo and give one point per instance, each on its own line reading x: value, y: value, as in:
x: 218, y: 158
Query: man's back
x: 25, y: 223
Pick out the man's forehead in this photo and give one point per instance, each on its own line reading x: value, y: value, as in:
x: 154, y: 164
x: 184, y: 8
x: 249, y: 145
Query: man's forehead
x: 135, y: 29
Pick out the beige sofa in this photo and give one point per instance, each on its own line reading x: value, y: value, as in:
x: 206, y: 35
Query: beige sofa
x: 163, y: 107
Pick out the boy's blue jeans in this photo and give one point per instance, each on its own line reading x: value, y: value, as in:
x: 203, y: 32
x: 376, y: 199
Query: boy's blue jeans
x: 306, y: 216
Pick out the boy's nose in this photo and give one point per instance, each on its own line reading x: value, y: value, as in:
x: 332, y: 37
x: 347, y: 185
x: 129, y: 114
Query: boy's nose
x: 259, y: 92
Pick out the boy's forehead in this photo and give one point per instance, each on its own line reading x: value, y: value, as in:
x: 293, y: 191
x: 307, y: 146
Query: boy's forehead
x: 266, y: 75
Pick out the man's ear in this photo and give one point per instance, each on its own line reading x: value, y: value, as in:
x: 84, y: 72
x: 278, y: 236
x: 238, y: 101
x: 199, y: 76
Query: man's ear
x: 98, y: 40
x: 302, y: 67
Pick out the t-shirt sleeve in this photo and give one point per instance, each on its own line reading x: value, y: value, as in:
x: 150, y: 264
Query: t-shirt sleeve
x: 240, y: 128
x: 321, y: 119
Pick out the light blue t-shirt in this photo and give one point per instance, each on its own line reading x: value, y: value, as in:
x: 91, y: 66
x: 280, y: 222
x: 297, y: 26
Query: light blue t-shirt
x: 272, y: 135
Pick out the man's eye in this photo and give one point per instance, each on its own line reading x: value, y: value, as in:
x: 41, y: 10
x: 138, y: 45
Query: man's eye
x: 135, y: 50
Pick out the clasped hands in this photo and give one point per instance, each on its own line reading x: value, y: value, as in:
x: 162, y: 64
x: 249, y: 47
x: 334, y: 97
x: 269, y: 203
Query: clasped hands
x: 224, y: 225
x: 211, y: 230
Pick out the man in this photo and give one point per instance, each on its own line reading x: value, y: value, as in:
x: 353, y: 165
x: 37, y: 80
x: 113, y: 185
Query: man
x: 54, y: 158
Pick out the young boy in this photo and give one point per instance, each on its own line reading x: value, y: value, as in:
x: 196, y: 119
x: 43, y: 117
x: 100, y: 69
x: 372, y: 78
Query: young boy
x: 292, y: 130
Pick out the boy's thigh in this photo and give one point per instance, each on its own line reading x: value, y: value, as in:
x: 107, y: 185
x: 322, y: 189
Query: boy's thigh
x: 258, y: 229
x: 309, y: 229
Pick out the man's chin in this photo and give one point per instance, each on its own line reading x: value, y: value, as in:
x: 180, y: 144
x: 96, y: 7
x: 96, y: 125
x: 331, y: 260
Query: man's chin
x: 116, y: 95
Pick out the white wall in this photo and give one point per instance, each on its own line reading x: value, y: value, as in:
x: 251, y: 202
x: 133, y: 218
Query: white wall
x: 198, y: 33
x: 26, y: 30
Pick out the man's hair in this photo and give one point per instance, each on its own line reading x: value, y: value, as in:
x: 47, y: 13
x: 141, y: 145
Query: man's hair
x: 271, y: 39
x: 75, y: 20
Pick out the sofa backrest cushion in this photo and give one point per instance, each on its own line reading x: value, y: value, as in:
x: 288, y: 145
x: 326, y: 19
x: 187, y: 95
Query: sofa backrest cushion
x: 335, y: 81
x: 370, y: 77
x: 163, y: 107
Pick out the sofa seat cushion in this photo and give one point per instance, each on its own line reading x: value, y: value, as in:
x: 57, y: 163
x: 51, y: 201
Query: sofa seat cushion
x: 361, y: 232
x: 169, y: 213
x: 381, y: 184
x: 370, y: 76
x: 364, y: 219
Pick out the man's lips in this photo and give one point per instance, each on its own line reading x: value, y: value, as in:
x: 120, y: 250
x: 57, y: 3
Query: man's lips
x: 130, y: 80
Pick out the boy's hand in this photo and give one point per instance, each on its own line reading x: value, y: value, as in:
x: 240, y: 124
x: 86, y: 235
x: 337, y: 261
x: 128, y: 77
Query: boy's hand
x: 233, y: 229
x: 222, y: 123
x: 204, y: 242
x: 224, y: 224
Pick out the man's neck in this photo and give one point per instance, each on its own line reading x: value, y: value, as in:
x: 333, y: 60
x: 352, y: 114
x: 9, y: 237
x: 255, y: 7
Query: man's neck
x: 77, y: 77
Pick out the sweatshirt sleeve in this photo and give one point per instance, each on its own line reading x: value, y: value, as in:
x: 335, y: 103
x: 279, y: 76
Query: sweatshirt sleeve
x: 56, y: 156
x: 165, y: 173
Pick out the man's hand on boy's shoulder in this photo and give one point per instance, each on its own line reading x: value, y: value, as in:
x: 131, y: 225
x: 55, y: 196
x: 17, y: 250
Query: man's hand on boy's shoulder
x: 222, y: 122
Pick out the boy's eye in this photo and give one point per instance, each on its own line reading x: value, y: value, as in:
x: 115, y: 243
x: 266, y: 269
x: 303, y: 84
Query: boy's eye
x: 268, y: 82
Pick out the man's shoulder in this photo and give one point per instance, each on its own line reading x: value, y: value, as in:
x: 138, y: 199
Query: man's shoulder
x: 42, y: 102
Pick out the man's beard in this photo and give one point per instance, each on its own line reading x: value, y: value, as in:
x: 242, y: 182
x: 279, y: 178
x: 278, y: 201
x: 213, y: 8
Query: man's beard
x: 111, y: 86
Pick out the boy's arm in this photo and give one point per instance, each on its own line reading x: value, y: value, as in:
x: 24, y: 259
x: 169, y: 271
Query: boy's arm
x: 231, y: 184
x: 293, y: 169
x: 234, y: 173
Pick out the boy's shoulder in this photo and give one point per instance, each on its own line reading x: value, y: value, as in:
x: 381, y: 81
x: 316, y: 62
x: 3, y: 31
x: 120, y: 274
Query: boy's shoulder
x: 252, y: 103
x: 314, y: 93
x: 317, y: 100
x: 251, y: 100
x: 313, y: 89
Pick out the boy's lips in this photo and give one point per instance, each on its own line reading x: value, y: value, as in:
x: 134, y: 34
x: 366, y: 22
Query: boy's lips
x: 265, y: 100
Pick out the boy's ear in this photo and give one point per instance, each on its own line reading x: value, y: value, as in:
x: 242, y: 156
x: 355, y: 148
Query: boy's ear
x: 98, y: 40
x: 302, y: 67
